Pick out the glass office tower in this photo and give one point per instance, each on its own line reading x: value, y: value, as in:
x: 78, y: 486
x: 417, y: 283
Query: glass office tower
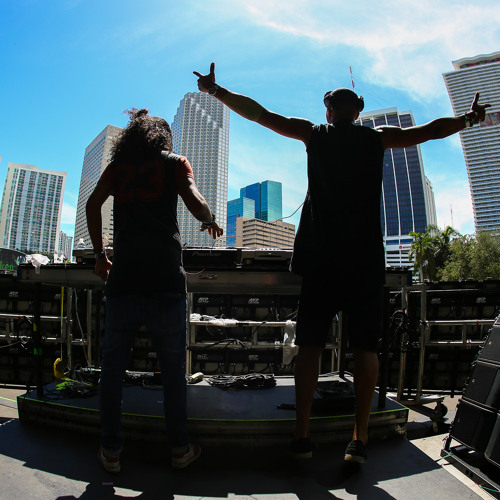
x: 407, y: 202
x: 240, y: 207
x: 268, y: 199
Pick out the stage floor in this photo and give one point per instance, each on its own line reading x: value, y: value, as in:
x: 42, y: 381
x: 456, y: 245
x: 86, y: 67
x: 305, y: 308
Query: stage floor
x: 216, y: 416
x: 40, y: 462
x: 47, y: 464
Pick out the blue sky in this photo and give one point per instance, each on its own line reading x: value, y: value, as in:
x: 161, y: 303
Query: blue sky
x: 71, y: 67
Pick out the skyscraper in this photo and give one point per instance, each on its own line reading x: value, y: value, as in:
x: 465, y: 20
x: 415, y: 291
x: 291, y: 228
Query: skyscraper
x: 96, y: 159
x: 407, y: 199
x: 200, y: 132
x: 30, y: 219
x: 481, y: 144
x: 240, y: 207
x: 268, y: 199
x: 65, y: 245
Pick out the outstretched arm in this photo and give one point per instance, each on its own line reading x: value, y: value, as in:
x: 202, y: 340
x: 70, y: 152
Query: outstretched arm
x: 395, y: 137
x: 295, y: 128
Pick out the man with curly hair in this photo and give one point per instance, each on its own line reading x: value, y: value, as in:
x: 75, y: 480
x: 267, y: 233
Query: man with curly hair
x: 145, y: 179
x: 344, y: 169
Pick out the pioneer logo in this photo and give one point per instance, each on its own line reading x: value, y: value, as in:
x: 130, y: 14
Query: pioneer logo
x: 254, y: 300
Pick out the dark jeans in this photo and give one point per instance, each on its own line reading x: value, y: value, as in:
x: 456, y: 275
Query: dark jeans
x: 164, y: 315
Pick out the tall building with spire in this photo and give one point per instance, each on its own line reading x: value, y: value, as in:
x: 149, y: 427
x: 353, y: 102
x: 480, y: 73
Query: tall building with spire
x: 31, y: 210
x: 200, y: 132
x: 481, y: 144
x: 407, y: 202
x: 95, y: 161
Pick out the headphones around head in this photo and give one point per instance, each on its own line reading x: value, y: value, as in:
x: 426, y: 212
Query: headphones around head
x: 334, y: 97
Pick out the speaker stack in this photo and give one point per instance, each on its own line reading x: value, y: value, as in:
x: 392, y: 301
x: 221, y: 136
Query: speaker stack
x: 477, y: 421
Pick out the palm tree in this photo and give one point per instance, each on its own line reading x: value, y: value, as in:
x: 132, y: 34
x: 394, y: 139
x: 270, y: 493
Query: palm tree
x: 441, y: 243
x: 420, y: 250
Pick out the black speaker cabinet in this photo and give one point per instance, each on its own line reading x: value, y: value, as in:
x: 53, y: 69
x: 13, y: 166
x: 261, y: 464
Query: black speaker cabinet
x: 491, y: 349
x: 473, y: 425
x: 484, y: 385
x: 492, y: 453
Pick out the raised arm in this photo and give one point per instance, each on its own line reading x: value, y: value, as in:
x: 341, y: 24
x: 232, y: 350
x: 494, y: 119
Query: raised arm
x: 395, y: 137
x: 295, y: 128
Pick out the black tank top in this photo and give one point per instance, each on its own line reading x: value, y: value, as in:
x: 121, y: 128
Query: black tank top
x: 339, y: 232
x: 147, y: 252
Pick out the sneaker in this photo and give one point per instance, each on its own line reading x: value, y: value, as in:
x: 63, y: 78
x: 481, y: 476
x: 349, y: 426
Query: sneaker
x: 110, y: 464
x: 181, y: 460
x: 356, y: 452
x: 301, y: 448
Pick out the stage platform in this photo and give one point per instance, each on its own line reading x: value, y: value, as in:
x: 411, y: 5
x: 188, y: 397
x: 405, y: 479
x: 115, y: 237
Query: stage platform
x: 216, y: 416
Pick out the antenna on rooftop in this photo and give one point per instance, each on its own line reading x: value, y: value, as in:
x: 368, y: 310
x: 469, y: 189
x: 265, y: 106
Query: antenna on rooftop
x: 451, y: 211
x: 352, y: 79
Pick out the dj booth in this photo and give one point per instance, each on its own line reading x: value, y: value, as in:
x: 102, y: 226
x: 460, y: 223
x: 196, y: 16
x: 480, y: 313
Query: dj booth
x: 241, y: 310
x: 240, y: 304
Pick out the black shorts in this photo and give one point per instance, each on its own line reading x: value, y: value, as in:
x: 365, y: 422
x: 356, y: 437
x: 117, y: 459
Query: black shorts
x: 362, y: 319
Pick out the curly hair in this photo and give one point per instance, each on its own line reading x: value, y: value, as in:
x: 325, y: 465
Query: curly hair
x: 145, y: 136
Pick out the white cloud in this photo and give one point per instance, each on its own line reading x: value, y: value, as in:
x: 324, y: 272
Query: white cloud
x: 454, y: 206
x: 408, y: 44
x: 68, y: 214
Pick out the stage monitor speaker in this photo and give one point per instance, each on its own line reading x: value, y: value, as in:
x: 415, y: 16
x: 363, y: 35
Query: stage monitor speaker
x: 492, y: 453
x: 484, y: 385
x: 491, y: 349
x: 473, y: 425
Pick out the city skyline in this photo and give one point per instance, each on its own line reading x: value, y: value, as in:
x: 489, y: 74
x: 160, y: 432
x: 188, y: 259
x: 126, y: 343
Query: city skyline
x: 62, y: 61
x: 260, y: 200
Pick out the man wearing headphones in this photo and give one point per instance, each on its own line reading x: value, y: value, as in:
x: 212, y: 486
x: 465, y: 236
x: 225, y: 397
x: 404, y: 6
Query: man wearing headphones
x: 341, y: 210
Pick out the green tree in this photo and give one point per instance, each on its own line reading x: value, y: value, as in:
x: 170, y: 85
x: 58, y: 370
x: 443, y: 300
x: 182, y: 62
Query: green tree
x: 473, y: 256
x: 458, y: 264
x: 420, y: 252
x: 430, y: 251
x: 441, y: 242
x: 485, y: 262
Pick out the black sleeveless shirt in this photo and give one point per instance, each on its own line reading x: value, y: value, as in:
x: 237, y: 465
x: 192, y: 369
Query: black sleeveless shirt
x: 339, y: 234
x: 147, y: 252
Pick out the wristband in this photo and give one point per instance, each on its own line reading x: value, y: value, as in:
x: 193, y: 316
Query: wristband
x: 469, y: 119
x: 211, y: 223
x: 101, y: 254
x: 213, y: 89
